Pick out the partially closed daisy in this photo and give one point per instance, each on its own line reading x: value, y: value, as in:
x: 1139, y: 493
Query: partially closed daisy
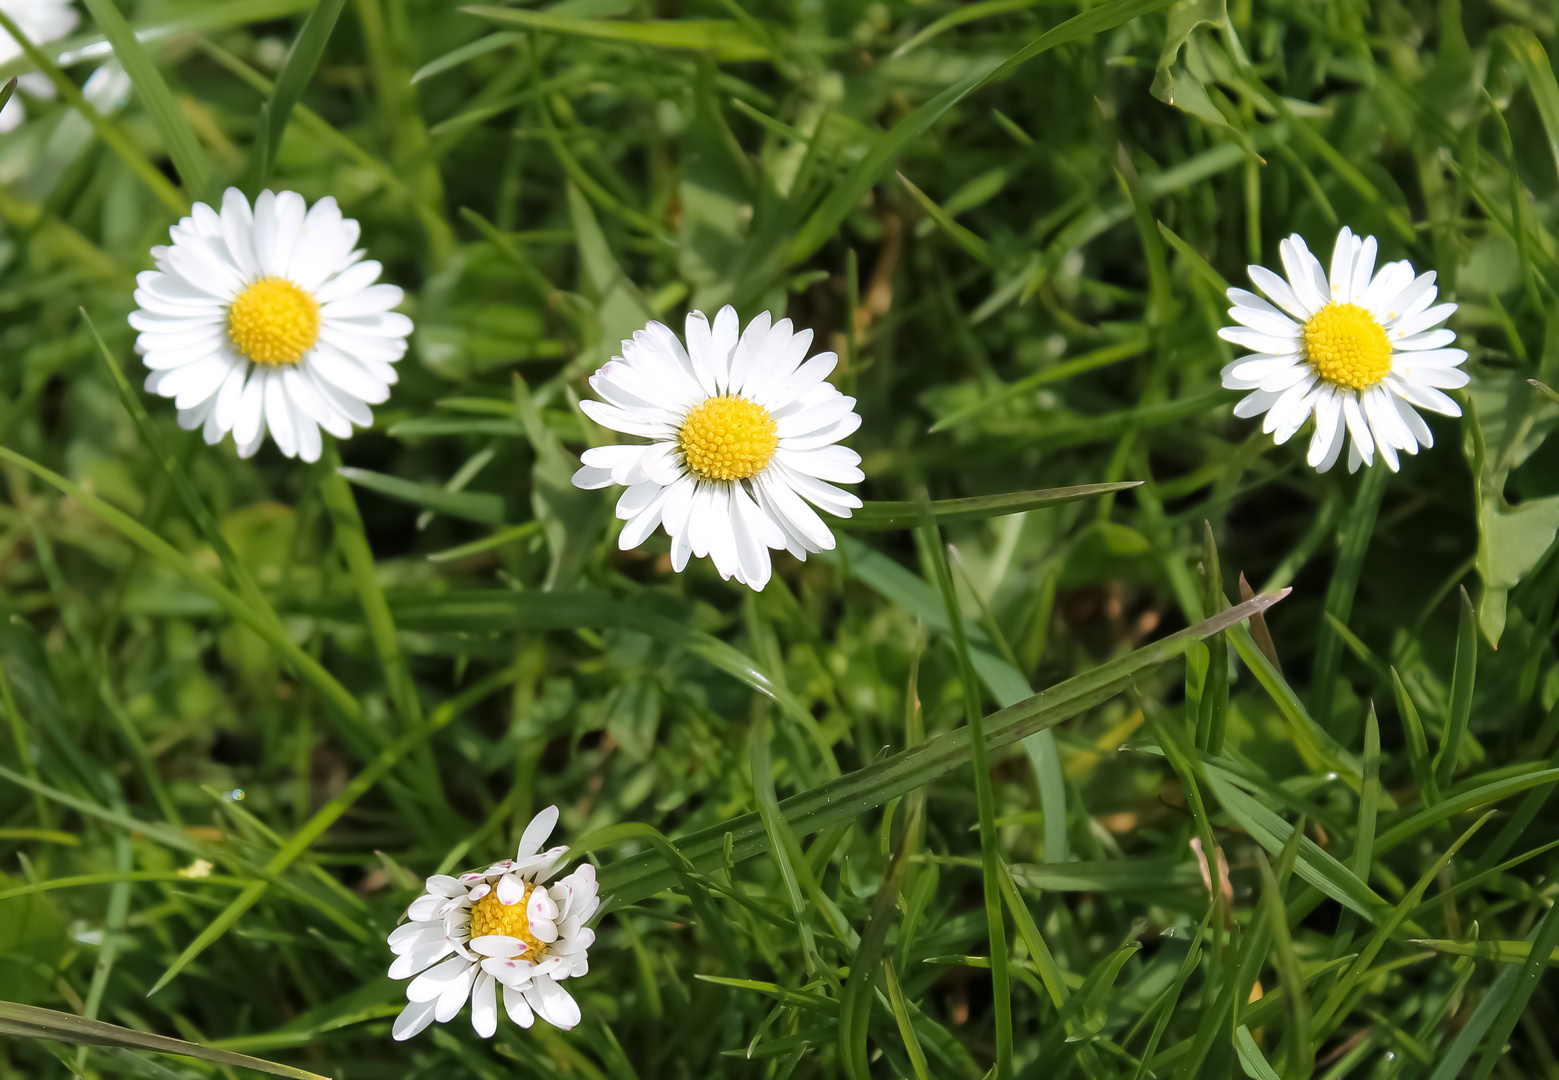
x: 499, y: 927
x: 269, y: 319
x: 1358, y: 349
x: 743, y: 432
x: 41, y: 21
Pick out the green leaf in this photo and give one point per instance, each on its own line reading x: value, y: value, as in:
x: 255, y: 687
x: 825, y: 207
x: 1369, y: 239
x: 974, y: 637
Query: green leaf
x: 29, y: 1022
x: 965, y: 13
x: 728, y: 40
x: 296, y: 71
x: 469, y: 505
x: 177, y: 135
x: 1531, y: 971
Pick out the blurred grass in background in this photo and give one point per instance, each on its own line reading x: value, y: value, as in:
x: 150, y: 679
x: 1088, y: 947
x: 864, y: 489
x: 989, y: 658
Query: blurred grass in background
x: 324, y: 686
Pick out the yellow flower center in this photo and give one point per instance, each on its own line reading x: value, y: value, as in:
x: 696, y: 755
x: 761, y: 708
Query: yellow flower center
x: 728, y: 438
x: 273, y: 321
x: 1346, y: 346
x: 492, y: 916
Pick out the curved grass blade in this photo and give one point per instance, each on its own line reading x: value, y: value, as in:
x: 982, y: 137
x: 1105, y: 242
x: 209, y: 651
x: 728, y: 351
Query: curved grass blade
x: 28, y: 1021
x: 632, y: 879
x: 296, y: 71
x: 1461, y: 804
x: 455, y: 57
x: 878, y: 516
x: 957, y: 17
x: 177, y: 135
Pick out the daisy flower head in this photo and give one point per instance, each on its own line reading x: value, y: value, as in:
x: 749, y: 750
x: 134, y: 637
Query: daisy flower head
x: 268, y: 318
x: 1359, y: 349
x: 505, y: 927
x: 41, y: 21
x: 743, y: 434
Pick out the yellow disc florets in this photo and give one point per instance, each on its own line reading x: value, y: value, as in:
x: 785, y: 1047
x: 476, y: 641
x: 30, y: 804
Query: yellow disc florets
x: 1346, y: 346
x: 728, y: 438
x: 492, y: 916
x: 273, y: 321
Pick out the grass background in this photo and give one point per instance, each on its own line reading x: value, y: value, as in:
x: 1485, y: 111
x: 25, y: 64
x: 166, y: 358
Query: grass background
x: 327, y: 685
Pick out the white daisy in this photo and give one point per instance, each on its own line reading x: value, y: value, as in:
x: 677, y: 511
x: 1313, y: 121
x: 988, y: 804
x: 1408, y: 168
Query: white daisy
x: 269, y: 319
x: 1359, y: 350
x: 41, y: 21
x: 743, y: 434
x: 503, y: 926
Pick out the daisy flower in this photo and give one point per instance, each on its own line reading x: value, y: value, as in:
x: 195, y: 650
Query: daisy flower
x: 743, y: 433
x: 41, y: 21
x: 1358, y: 349
x: 268, y: 318
x: 503, y: 926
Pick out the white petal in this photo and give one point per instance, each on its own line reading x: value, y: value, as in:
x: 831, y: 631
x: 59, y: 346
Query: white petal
x: 500, y: 946
x: 1344, y: 254
x: 484, y: 1006
x: 515, y: 1005
x: 1363, y: 442
x: 412, y: 1019
x: 536, y: 832
x: 433, y: 982
x: 553, y: 1003
x: 1279, y: 292
x: 1328, y: 418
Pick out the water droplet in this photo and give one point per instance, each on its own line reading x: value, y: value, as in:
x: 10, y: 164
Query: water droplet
x: 236, y: 795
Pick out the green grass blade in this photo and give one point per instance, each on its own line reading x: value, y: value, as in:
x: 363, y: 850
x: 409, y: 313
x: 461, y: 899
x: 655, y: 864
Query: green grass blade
x: 308, y: 667
x: 1353, y: 543
x: 177, y: 134
x: 631, y: 879
x: 1531, y: 970
x: 28, y: 1021
x: 1462, y: 678
x: 727, y: 39
x: 826, y: 219
x: 297, y: 69
x: 879, y: 516
x: 467, y: 505
x: 353, y: 543
x: 115, y: 139
x: 855, y: 1004
x: 1417, y: 743
x: 930, y: 538
x: 1251, y: 1058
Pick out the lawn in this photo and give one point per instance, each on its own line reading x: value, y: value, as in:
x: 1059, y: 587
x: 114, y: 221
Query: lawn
x: 1113, y: 726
